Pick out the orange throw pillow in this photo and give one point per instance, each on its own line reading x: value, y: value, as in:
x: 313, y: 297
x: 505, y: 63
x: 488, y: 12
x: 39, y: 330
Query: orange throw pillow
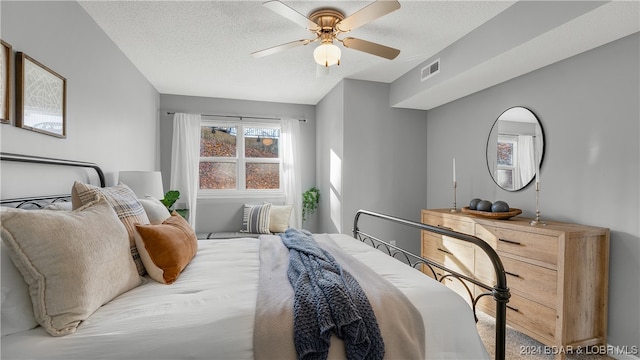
x: 167, y: 248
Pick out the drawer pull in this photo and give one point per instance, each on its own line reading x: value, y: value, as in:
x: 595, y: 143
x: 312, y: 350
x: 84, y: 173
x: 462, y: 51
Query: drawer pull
x: 510, y: 242
x: 444, y: 227
x: 513, y: 308
x: 512, y: 274
x: 445, y: 251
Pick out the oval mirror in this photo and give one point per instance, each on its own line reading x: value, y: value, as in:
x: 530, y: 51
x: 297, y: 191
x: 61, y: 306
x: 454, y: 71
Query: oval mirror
x: 515, y: 148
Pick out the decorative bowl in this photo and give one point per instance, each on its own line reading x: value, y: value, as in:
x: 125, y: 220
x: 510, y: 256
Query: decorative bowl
x: 493, y: 215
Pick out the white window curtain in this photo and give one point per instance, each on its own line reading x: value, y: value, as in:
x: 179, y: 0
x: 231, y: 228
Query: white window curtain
x: 526, y: 159
x: 291, y: 169
x: 185, y: 159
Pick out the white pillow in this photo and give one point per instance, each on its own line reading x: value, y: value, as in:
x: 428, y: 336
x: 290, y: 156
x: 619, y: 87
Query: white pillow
x: 279, y: 218
x: 17, y: 310
x: 73, y: 261
x: 156, y: 211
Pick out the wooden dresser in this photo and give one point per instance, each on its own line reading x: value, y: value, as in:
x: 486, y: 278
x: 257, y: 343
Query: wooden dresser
x: 557, y: 274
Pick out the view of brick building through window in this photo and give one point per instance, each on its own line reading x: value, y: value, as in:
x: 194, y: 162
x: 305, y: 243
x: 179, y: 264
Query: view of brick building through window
x: 219, y: 169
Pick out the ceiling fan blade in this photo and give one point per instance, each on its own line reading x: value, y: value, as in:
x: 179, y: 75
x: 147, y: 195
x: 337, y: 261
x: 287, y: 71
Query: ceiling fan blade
x: 371, y: 48
x: 367, y: 14
x: 276, y: 49
x: 284, y: 10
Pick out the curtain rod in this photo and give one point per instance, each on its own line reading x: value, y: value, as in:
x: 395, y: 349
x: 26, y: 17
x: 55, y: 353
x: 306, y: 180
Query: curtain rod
x: 240, y: 116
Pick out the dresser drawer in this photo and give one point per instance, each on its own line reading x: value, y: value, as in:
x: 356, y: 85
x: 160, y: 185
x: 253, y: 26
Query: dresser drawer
x: 461, y: 287
x: 533, y: 319
x: 533, y: 246
x: 451, y: 253
x: 465, y: 227
x: 536, y: 283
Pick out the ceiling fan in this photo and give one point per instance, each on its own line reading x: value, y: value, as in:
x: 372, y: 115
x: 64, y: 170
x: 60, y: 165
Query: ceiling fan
x: 327, y: 24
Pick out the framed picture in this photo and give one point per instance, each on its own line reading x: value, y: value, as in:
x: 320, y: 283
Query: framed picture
x: 41, y: 98
x: 5, y: 81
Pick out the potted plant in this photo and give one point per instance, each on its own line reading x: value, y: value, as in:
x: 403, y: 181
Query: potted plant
x: 170, y: 198
x: 310, y: 200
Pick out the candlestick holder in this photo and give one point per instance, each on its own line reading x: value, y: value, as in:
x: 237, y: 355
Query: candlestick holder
x: 537, y: 221
x: 454, y: 208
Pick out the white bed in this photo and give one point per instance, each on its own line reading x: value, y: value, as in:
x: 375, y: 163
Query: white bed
x: 209, y: 312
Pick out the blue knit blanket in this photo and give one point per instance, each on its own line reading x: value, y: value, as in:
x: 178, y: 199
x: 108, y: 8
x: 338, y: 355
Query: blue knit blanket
x: 328, y: 300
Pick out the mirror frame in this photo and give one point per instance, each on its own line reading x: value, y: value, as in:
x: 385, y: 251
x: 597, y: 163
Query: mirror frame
x: 489, y: 137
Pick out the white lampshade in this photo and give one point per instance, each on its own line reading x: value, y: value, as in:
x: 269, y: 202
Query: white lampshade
x: 143, y: 183
x: 327, y: 54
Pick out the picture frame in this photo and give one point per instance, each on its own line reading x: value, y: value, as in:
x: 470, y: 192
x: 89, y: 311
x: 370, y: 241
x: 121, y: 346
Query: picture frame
x: 41, y: 97
x: 5, y: 81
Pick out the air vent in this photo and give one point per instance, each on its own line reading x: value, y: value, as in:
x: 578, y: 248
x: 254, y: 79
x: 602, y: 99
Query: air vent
x: 430, y: 70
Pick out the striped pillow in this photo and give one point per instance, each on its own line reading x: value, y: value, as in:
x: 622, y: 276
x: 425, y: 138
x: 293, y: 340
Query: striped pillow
x: 256, y: 219
x: 126, y: 205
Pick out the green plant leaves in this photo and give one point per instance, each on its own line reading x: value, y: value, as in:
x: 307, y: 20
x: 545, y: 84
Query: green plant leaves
x: 310, y: 200
x: 170, y: 198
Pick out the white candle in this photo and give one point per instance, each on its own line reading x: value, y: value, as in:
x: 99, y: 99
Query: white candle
x: 537, y: 164
x: 454, y: 169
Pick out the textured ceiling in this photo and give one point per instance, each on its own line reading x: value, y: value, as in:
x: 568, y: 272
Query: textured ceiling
x: 202, y: 48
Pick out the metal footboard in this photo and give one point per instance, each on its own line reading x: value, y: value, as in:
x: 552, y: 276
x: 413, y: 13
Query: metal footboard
x: 499, y: 291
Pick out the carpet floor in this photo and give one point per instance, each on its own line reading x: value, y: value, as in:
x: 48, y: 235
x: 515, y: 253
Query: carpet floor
x: 522, y: 347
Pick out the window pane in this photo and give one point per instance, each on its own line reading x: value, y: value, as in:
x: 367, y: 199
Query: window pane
x: 218, y: 141
x: 261, y: 142
x: 263, y: 176
x: 505, y: 153
x: 217, y: 175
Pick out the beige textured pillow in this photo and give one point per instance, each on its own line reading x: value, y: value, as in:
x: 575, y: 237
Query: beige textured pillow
x: 72, y: 261
x: 279, y: 218
x: 124, y: 202
x: 167, y: 248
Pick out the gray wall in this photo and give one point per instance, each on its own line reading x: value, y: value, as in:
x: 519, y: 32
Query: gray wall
x: 381, y: 153
x: 591, y: 171
x: 112, y: 110
x: 591, y: 118
x: 329, y: 154
x: 216, y: 215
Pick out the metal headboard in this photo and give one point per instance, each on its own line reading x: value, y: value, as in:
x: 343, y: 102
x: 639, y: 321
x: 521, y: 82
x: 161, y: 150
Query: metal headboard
x: 19, y: 202
x: 499, y: 291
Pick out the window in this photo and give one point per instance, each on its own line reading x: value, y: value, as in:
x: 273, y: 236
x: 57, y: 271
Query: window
x: 239, y: 156
x: 507, y: 161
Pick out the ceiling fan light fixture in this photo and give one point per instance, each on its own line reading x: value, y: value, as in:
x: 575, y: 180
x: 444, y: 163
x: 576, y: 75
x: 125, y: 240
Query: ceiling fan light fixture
x: 327, y: 54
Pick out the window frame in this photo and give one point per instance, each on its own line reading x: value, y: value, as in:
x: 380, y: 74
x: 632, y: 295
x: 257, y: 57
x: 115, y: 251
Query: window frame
x: 241, y: 160
x: 512, y: 168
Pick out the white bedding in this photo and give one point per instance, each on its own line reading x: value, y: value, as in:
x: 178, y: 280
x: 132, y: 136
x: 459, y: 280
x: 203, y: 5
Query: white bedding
x: 209, y: 312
